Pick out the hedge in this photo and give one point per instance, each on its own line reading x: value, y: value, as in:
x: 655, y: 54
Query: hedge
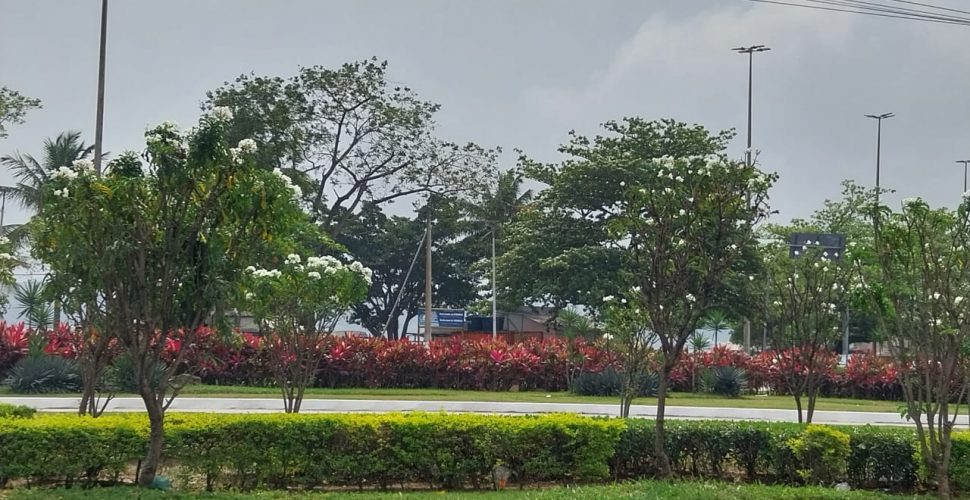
x: 441, y: 450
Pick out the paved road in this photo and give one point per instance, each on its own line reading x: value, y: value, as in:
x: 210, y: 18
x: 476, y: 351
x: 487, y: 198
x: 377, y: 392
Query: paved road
x: 264, y: 405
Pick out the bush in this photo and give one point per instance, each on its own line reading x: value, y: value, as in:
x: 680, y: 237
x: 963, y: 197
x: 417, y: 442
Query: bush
x: 822, y: 453
x: 609, y: 382
x: 725, y: 381
x: 960, y: 461
x: 16, y: 411
x: 44, y: 374
x: 882, y: 458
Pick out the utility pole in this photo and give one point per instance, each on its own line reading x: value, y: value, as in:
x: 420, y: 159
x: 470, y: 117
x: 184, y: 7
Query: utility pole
x: 99, y: 124
x: 494, y: 288
x: 964, y: 162
x: 427, y: 281
x: 750, y: 52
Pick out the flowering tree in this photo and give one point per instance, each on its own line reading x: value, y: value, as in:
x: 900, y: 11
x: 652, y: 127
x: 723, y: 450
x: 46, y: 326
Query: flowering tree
x: 13, y: 107
x: 806, y: 299
x: 298, y: 304
x: 924, y: 255
x: 159, y: 249
x: 682, y: 227
x: 629, y: 333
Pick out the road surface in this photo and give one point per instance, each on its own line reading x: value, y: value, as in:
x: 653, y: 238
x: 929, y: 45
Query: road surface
x: 266, y: 405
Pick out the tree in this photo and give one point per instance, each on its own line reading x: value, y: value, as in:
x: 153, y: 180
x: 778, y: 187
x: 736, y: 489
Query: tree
x: 297, y: 305
x: 921, y: 295
x: 13, y: 107
x: 349, y: 137
x: 681, y: 225
x: 807, y: 298
x: 164, y: 246
x: 558, y: 249
x: 34, y: 306
x: 716, y: 320
x: 388, y: 245
x: 31, y: 173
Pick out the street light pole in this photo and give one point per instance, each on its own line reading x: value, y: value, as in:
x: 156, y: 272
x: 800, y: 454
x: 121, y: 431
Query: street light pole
x: 879, y: 119
x: 750, y: 52
x: 494, y: 289
x: 964, y: 162
x: 99, y: 121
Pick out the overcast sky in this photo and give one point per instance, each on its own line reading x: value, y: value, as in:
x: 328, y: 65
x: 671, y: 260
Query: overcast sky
x: 520, y: 74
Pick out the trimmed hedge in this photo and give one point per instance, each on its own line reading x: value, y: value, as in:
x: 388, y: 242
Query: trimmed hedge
x: 441, y: 450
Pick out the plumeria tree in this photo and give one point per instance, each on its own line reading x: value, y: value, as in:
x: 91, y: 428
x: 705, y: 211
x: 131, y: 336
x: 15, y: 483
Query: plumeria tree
x: 628, y: 331
x: 922, y: 297
x: 807, y: 293
x: 161, y: 246
x: 681, y: 228
x: 297, y: 305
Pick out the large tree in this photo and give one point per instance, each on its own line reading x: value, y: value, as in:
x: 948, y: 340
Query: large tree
x: 13, y: 107
x: 558, y: 251
x: 681, y: 222
x: 923, y: 297
x: 163, y: 247
x: 349, y: 137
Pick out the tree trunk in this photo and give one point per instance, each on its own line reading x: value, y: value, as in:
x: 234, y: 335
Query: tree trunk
x: 798, y: 405
x: 660, y: 454
x: 156, y: 437
x: 393, y: 328
x: 943, y: 482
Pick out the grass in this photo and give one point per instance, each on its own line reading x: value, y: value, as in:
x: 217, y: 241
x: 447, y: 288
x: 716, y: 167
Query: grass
x: 675, y: 399
x: 640, y: 490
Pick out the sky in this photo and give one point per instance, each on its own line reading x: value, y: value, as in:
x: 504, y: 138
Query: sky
x: 522, y: 73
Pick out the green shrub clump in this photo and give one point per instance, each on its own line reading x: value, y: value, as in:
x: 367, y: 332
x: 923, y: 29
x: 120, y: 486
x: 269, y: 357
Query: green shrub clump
x: 822, y: 452
x: 609, y: 382
x: 44, y: 374
x: 724, y: 381
x: 280, y: 451
x: 16, y: 411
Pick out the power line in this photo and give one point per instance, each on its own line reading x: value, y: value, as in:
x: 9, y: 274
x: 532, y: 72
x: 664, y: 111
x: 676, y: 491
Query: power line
x: 878, y: 7
x: 932, y: 6
x: 896, y: 14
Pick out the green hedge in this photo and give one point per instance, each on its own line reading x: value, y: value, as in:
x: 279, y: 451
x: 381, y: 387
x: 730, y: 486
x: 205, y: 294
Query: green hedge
x: 440, y: 450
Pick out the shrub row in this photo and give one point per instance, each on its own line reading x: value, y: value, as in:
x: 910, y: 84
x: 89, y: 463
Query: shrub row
x: 549, y: 365
x: 286, y: 451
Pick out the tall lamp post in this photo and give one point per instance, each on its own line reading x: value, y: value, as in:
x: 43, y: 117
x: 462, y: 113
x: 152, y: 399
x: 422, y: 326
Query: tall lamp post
x: 750, y: 52
x: 99, y: 124
x: 964, y: 162
x: 879, y: 119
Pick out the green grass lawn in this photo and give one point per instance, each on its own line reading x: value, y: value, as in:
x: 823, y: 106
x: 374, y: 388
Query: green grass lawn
x: 675, y: 399
x: 644, y: 489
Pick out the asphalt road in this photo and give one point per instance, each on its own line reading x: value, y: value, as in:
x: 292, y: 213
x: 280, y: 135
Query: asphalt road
x: 265, y: 405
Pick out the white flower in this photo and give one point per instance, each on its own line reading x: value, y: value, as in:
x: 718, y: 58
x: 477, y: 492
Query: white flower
x: 4, y: 240
x: 623, y: 301
x: 222, y: 113
x: 683, y: 212
x: 63, y: 193
x: 957, y: 300
x: 250, y: 269
x: 966, y: 195
x: 83, y: 165
x: 680, y: 179
x: 777, y: 303
x: 936, y: 295
x: 636, y: 289
x: 249, y: 295
x: 313, y: 274
x: 608, y: 298
x: 606, y: 336
x: 690, y: 298
x: 247, y: 146
x: 667, y: 190
x: 796, y: 253
x: 293, y: 259
x: 65, y: 173
x: 733, y: 246
x: 750, y: 278
x: 235, y: 156
x: 622, y: 183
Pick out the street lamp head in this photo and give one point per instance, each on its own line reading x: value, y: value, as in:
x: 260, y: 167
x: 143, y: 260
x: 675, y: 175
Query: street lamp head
x: 881, y: 117
x: 753, y: 48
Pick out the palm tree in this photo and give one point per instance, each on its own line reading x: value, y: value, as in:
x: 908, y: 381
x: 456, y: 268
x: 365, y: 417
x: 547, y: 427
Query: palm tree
x: 492, y: 211
x: 699, y: 342
x: 32, y: 173
x: 718, y: 321
x: 33, y: 306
